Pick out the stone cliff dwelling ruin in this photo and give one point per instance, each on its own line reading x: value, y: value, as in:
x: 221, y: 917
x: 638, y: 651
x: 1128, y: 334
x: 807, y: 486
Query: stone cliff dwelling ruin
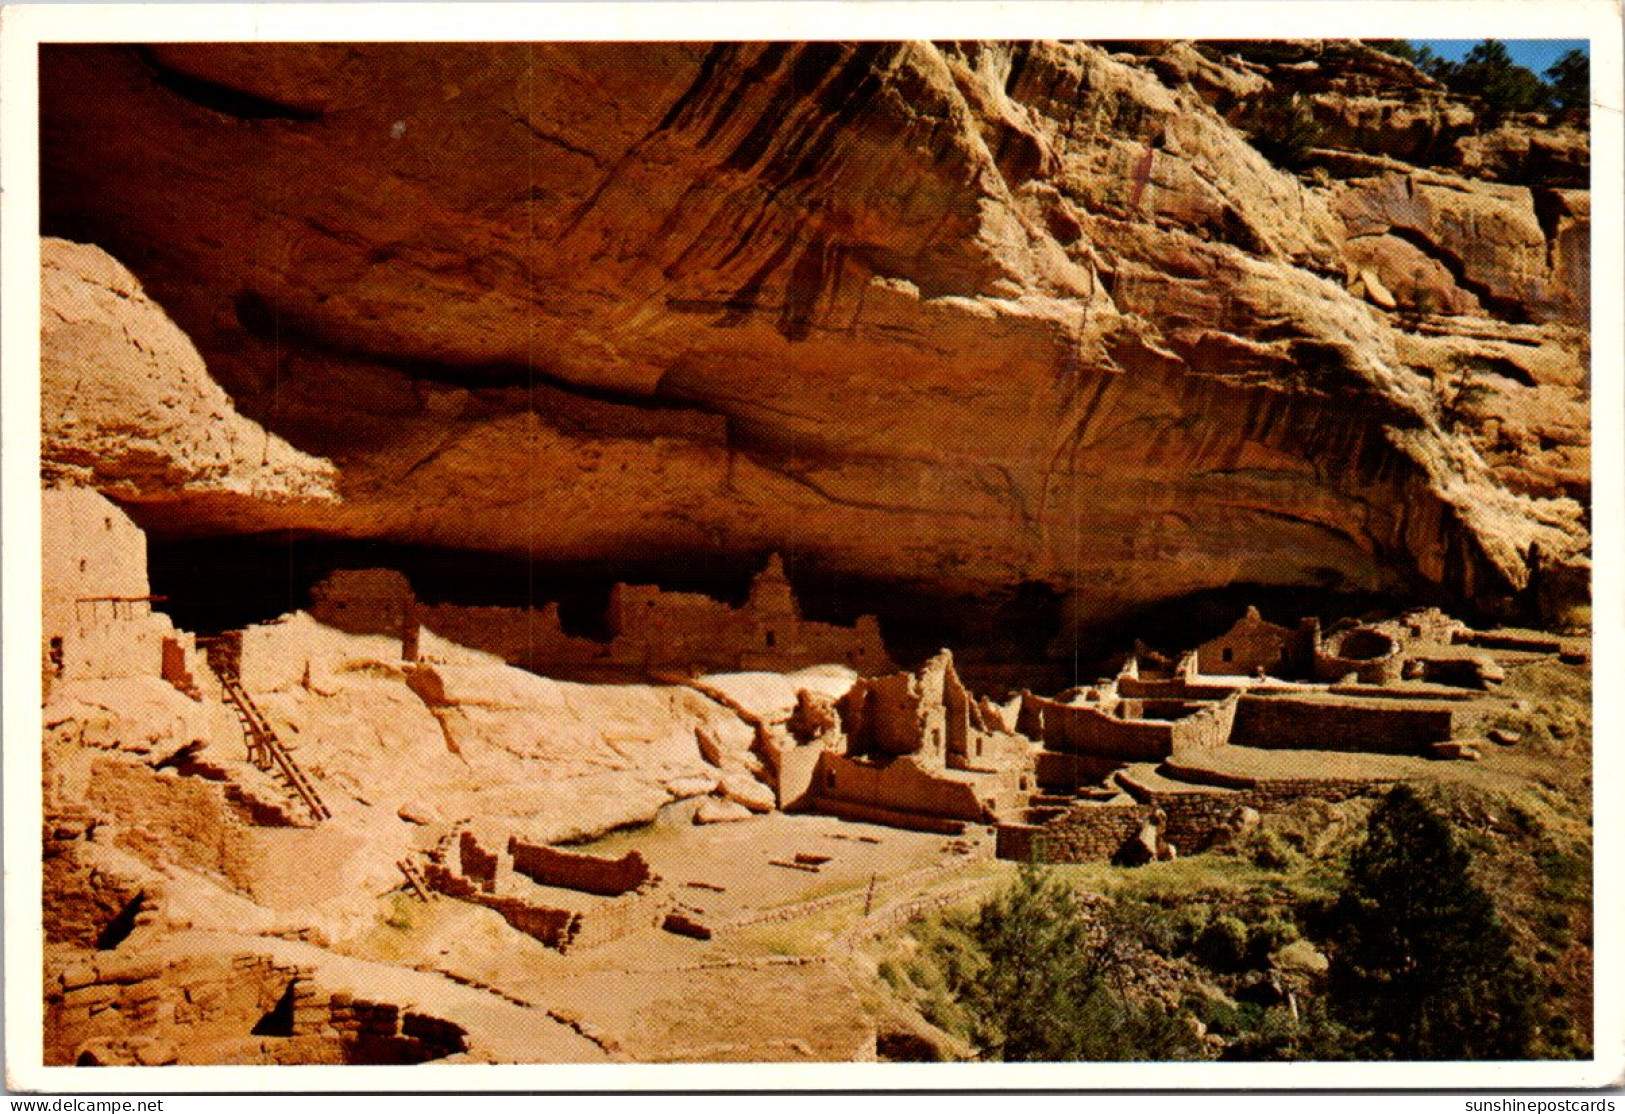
x: 562, y: 898
x: 1147, y: 764
x: 1025, y: 351
x: 97, y: 616
x: 651, y: 631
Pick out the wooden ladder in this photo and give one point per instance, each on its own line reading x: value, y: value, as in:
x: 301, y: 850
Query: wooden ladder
x: 266, y: 751
x: 415, y: 879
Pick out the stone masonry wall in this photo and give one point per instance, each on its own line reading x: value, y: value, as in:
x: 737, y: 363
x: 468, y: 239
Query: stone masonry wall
x: 162, y: 817
x: 107, y: 1008
x: 591, y: 874
x: 1055, y: 770
x: 1190, y: 820
x: 904, y: 785
x: 462, y: 869
x: 1205, y: 728
x: 1382, y: 727
x: 1084, y: 730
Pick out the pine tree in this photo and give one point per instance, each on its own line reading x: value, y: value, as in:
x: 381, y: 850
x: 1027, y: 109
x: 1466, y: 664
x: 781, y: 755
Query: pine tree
x: 1037, y: 989
x: 1421, y: 964
x: 1489, y: 73
x: 1570, y: 76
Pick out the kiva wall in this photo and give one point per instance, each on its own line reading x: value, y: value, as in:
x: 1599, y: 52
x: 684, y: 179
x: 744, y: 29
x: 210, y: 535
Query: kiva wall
x: 903, y: 784
x: 1079, y: 729
x: 1190, y: 821
x: 204, y: 1010
x: 548, y: 866
x: 1382, y: 727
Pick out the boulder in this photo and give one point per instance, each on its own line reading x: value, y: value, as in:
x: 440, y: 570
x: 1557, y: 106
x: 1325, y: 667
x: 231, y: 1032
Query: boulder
x: 129, y: 407
x: 1454, y: 750
x: 416, y: 814
x: 1140, y: 849
x: 684, y: 787
x: 720, y: 810
x: 747, y: 791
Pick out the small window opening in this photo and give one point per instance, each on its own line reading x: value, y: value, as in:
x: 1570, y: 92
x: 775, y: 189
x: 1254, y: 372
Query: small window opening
x: 278, y: 1022
x: 770, y: 638
x: 119, y: 928
x: 1229, y: 654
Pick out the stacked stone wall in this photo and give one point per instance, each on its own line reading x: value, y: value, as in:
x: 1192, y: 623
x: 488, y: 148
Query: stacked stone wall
x: 1206, y: 728
x: 591, y: 874
x: 624, y: 895
x: 1189, y: 821
x: 1060, y: 771
x: 904, y: 785
x: 1079, y: 729
x: 161, y: 817
x: 107, y: 1008
x: 1376, y: 726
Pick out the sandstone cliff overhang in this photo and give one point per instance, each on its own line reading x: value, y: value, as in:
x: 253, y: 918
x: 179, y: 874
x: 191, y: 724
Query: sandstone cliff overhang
x: 952, y: 316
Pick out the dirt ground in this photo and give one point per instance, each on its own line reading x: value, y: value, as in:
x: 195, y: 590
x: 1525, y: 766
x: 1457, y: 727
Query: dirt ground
x: 781, y: 977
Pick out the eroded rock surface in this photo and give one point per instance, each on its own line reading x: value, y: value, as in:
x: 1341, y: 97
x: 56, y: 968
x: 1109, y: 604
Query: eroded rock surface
x: 951, y: 317
x: 127, y: 405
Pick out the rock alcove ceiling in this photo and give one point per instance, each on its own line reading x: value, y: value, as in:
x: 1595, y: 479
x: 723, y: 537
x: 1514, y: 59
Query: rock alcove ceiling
x: 1029, y: 327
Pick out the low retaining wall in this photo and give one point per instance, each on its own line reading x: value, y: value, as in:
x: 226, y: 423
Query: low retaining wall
x: 888, y: 817
x: 1188, y: 820
x: 548, y: 866
x: 483, y: 878
x: 1070, y: 772
x: 1513, y: 640
x: 1376, y: 726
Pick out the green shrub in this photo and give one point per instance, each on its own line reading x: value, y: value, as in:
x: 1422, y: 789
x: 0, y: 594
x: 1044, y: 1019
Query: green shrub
x: 1267, y: 937
x: 1023, y: 978
x: 1222, y: 946
x: 1276, y: 1035
x: 1421, y: 965
x: 1281, y: 125
x: 1570, y: 77
x: 1269, y: 850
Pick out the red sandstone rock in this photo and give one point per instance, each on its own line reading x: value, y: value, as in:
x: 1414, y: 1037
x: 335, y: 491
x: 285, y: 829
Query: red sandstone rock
x: 747, y: 791
x: 721, y: 810
x: 878, y: 291
x: 129, y: 407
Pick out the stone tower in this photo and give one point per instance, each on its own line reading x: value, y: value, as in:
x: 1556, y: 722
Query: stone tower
x: 771, y: 593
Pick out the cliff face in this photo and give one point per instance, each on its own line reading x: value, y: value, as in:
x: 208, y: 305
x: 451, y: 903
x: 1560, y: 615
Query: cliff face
x: 951, y: 316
